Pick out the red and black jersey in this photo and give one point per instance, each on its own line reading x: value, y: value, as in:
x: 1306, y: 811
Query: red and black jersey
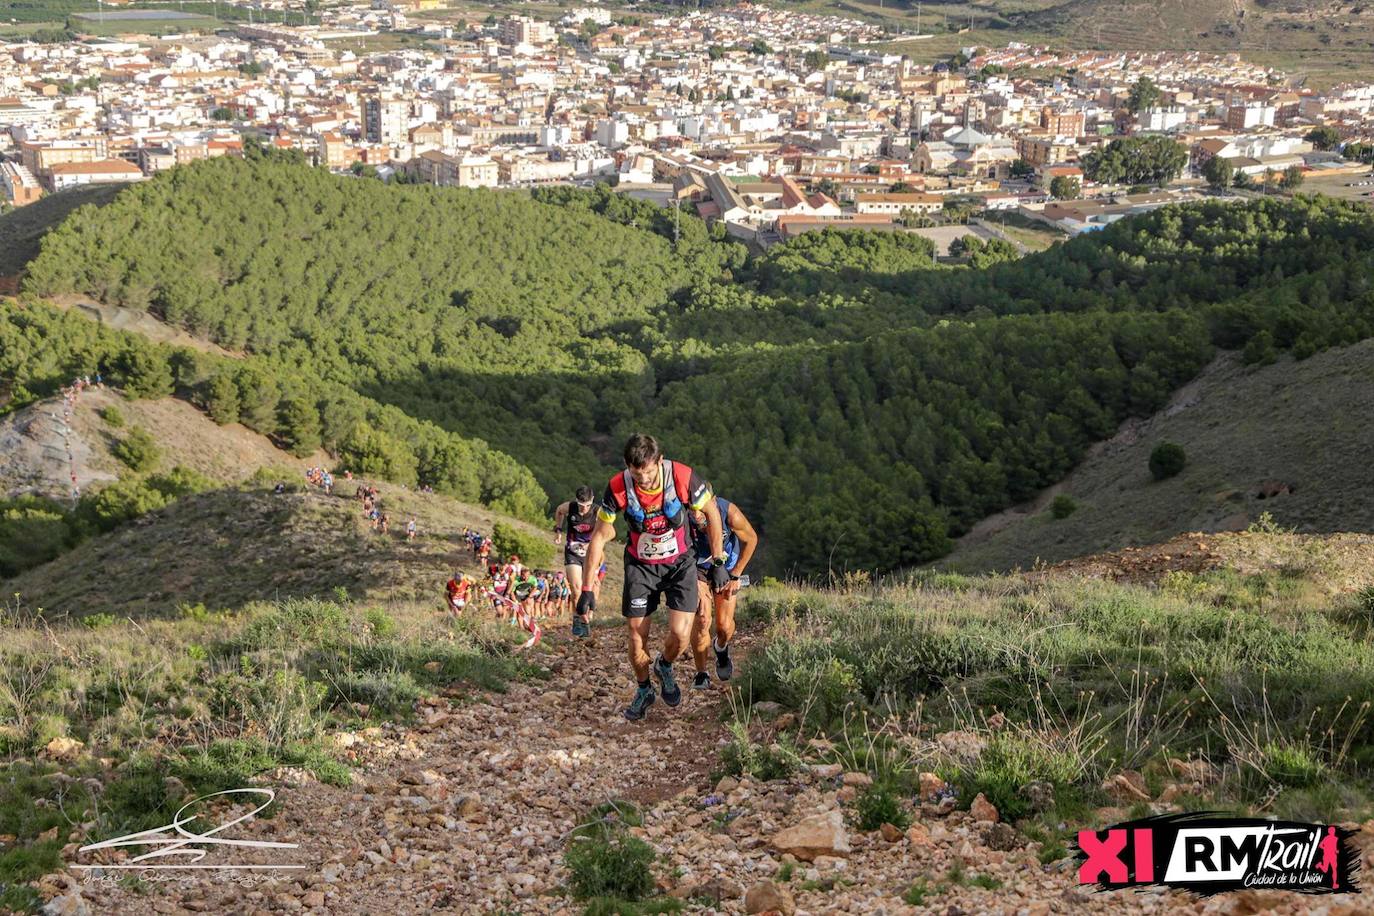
x: 659, y: 536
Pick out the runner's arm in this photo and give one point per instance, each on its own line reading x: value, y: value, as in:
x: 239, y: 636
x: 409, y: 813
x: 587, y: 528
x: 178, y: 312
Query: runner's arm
x: 748, y: 539
x: 715, y: 530
x: 603, y: 533
x: 559, y: 515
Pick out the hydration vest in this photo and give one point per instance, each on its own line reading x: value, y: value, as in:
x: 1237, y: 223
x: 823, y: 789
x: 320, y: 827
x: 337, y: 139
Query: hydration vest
x: 672, y: 507
x: 660, y: 536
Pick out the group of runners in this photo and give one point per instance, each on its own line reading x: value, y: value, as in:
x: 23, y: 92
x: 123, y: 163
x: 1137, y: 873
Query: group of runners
x: 687, y: 549
x: 512, y: 587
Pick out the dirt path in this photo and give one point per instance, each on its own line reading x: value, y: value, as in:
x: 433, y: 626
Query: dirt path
x: 471, y: 808
x: 469, y: 813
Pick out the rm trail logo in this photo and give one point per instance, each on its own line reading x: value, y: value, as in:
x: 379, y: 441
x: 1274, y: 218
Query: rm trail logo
x: 1210, y: 855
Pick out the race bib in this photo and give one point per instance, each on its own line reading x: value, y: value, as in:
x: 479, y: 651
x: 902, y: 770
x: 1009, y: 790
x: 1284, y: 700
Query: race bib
x: 658, y: 546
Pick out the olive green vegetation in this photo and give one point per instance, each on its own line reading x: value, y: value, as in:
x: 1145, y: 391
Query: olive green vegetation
x: 1266, y: 675
x: 229, y: 697
x: 863, y: 404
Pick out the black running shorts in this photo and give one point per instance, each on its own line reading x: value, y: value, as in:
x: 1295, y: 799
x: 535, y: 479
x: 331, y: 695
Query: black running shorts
x: 647, y: 584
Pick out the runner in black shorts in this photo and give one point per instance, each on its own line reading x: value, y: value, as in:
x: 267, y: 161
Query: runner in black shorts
x: 655, y: 496
x: 573, y: 522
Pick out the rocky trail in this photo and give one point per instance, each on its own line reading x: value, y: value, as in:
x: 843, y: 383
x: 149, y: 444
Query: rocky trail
x: 468, y: 810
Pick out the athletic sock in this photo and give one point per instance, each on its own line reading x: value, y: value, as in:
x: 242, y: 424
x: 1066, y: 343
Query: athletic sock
x: 643, y: 684
x: 718, y: 647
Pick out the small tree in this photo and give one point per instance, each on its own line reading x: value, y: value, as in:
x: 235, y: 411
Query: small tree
x: 532, y: 550
x: 1292, y: 178
x: 222, y: 399
x: 1020, y: 168
x: 1219, y: 172
x: 1063, y: 506
x: 1166, y: 460
x: 145, y: 374
x: 1144, y: 94
x: 816, y: 60
x: 1323, y: 137
x: 1065, y: 187
x: 299, y: 426
x: 138, y: 450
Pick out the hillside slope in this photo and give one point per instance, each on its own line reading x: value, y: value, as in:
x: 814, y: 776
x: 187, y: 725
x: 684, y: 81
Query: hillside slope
x: 1246, y: 431
x: 33, y: 443
x: 227, y: 548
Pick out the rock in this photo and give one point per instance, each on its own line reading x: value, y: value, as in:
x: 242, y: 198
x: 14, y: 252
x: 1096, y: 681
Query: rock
x: 1040, y: 794
x: 964, y: 746
x: 768, y: 709
x: 767, y: 897
x: 932, y: 787
x: 826, y: 770
x: 785, y: 721
x: 727, y: 785
x: 313, y: 899
x: 717, y: 889
x: 983, y: 810
x: 918, y: 835
x: 469, y: 806
x: 66, y: 905
x: 1126, y: 786
x: 858, y: 780
x: 432, y: 667
x: 846, y: 794
x: 1002, y: 837
x: 818, y: 835
x: 890, y: 832
x: 62, y: 748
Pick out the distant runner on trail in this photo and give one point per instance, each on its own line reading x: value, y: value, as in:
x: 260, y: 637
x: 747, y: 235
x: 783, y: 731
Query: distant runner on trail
x: 655, y: 495
x: 739, y: 543
x: 573, y: 522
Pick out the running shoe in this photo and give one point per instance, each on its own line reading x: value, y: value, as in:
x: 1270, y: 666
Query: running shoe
x: 672, y: 693
x: 724, y: 667
x: 702, y: 681
x: 580, y: 628
x: 644, y: 698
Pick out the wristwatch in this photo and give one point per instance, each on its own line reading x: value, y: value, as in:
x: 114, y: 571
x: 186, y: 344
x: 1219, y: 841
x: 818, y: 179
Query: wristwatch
x: 720, y: 560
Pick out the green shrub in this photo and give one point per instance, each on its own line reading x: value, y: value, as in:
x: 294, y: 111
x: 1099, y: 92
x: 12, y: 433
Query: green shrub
x: 138, y: 450
x: 917, y: 893
x: 33, y: 530
x: 387, y: 692
x: 1012, y: 761
x: 1292, y: 765
x: 380, y: 624
x: 880, y: 804
x: 1063, y: 506
x: 279, y: 706
x: 532, y: 550
x: 113, y: 416
x: 609, y: 863
x: 744, y: 756
x: 300, y: 621
x: 97, y: 621
x: 1166, y: 460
